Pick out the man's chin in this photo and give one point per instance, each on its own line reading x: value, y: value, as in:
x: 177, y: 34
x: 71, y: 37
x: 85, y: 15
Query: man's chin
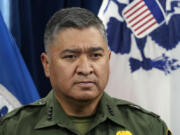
x: 86, y: 97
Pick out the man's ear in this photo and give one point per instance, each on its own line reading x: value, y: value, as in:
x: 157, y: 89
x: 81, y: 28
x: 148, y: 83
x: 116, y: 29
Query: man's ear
x: 45, y: 63
x: 109, y: 51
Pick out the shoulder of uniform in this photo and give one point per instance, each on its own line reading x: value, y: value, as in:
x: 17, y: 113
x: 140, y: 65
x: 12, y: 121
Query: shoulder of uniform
x: 129, y: 105
x: 39, y: 103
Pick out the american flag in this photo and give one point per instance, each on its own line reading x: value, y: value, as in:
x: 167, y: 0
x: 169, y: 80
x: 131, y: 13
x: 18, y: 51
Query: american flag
x: 143, y: 16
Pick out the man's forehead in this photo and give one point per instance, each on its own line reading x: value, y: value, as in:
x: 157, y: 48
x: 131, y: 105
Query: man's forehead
x: 88, y: 39
x: 89, y: 33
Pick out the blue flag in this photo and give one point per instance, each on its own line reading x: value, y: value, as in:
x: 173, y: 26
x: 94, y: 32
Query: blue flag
x: 16, y: 85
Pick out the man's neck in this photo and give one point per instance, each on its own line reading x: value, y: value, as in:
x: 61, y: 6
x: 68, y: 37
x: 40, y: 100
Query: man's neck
x: 79, y: 108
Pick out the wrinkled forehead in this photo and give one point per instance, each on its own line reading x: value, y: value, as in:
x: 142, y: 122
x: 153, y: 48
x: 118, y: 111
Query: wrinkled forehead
x: 98, y: 30
x: 87, y: 49
x: 79, y: 39
x: 84, y: 38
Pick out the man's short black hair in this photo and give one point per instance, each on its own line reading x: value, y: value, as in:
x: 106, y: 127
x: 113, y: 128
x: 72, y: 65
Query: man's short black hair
x: 75, y: 17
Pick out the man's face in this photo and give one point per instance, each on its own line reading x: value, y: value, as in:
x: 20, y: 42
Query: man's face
x: 78, y: 64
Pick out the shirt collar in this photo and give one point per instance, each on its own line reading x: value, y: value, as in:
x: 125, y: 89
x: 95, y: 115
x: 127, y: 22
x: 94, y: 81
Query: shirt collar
x: 46, y: 114
x: 55, y: 115
x: 109, y: 108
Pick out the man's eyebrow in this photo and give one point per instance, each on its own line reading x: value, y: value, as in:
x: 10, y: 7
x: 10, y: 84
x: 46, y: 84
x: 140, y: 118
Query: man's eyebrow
x: 94, y: 49
x: 71, y: 51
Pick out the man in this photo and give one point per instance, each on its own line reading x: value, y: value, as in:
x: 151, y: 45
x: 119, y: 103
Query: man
x: 77, y: 63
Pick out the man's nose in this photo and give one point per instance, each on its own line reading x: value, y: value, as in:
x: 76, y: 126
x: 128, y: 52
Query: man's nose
x: 84, y: 66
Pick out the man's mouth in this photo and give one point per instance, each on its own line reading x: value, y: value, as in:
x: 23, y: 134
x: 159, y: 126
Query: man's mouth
x: 85, y: 83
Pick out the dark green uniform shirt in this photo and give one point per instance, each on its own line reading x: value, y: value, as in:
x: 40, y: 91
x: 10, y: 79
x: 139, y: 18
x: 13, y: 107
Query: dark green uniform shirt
x: 113, y: 117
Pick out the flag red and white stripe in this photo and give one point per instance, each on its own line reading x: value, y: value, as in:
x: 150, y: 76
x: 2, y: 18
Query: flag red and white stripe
x: 139, y: 18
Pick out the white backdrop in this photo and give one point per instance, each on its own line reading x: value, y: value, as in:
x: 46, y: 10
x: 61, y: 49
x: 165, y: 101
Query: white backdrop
x: 154, y: 89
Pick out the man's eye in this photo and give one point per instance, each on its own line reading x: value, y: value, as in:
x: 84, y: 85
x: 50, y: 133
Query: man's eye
x: 96, y: 55
x: 70, y: 57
